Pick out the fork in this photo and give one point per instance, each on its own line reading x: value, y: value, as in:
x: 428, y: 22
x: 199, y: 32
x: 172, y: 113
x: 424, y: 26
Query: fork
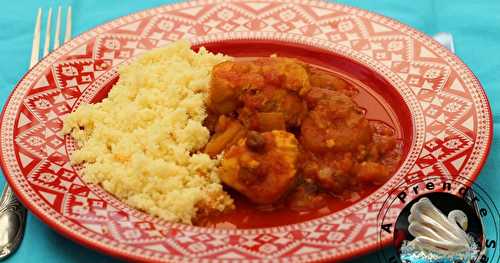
x: 12, y: 212
x: 445, y: 39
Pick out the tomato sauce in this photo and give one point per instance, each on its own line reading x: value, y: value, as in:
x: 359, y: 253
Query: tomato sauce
x: 249, y: 215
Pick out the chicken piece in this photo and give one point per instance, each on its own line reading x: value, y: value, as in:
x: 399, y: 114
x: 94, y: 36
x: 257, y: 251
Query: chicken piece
x: 261, y: 166
x: 271, y: 99
x: 326, y: 80
x: 335, y: 124
x: 263, y: 85
x: 287, y: 73
x: 332, y: 134
x: 342, y: 149
x: 229, y: 80
x: 315, y: 95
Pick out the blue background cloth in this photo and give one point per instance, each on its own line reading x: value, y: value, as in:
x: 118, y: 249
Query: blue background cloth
x: 475, y: 26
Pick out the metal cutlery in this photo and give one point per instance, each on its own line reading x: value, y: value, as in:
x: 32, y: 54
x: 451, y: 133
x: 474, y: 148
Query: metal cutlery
x: 445, y: 39
x: 12, y: 212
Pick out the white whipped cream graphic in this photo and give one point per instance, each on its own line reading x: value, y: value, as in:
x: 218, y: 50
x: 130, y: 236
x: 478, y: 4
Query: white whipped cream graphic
x: 436, y: 232
x: 437, y: 236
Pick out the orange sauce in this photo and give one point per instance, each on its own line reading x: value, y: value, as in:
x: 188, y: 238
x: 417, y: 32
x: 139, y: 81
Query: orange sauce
x: 248, y: 215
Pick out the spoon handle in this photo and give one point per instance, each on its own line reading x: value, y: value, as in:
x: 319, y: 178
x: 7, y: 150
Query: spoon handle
x: 12, y: 222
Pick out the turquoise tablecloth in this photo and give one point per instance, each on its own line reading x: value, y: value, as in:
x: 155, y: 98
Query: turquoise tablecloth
x: 474, y: 24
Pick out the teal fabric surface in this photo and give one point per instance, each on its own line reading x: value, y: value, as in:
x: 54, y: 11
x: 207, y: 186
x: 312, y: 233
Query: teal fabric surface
x: 474, y: 24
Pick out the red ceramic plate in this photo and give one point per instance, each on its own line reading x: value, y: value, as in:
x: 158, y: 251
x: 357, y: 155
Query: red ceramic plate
x: 430, y: 96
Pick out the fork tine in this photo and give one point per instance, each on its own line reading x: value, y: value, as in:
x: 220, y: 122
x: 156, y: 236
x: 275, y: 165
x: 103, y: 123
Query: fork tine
x: 67, y: 36
x: 35, y: 49
x: 47, y: 34
x: 58, y: 28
